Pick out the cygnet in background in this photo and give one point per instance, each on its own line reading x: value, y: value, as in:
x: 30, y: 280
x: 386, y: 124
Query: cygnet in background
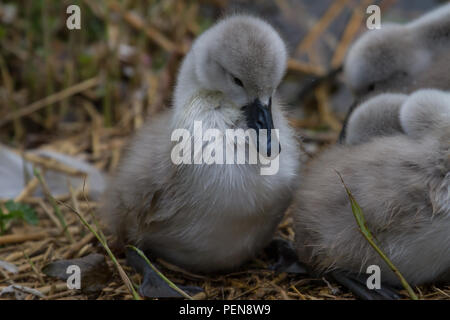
x: 402, y: 183
x: 402, y: 58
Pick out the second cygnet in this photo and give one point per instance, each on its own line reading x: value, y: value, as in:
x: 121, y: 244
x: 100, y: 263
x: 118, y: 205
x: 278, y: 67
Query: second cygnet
x: 402, y: 58
x: 402, y: 183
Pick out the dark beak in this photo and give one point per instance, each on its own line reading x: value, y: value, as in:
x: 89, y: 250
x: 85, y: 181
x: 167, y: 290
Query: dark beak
x: 258, y: 117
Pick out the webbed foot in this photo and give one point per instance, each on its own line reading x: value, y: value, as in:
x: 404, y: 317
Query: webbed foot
x: 283, y: 252
x: 356, y: 283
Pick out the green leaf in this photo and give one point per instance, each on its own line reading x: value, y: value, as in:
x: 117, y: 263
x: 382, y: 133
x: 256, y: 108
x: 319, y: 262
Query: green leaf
x: 21, y: 211
x: 30, y: 216
x: 14, y: 210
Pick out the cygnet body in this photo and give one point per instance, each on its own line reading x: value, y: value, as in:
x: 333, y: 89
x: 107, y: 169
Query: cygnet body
x: 402, y: 183
x: 209, y: 217
x: 402, y: 58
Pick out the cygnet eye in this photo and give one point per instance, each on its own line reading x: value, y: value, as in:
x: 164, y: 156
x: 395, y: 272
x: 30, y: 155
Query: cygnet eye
x: 238, y: 82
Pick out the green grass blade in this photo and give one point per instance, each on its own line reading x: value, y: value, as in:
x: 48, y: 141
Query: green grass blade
x: 170, y: 283
x: 360, y: 220
x: 101, y: 239
x: 52, y: 201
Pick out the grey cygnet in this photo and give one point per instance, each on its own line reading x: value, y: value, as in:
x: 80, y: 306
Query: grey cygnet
x: 402, y: 58
x: 402, y: 183
x: 209, y: 217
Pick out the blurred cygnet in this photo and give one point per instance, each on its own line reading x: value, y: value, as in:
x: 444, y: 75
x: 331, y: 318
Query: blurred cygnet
x: 378, y: 116
x: 401, y: 182
x: 209, y: 217
x: 402, y: 58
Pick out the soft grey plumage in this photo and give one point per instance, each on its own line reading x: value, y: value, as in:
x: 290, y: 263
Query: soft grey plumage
x: 208, y: 217
x: 378, y: 116
x: 402, y: 58
x: 401, y: 182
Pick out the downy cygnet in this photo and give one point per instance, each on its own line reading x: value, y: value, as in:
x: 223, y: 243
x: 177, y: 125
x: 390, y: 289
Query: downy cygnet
x: 402, y: 183
x: 402, y: 58
x: 200, y: 216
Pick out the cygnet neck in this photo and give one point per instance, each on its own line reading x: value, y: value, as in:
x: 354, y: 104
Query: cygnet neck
x: 187, y: 83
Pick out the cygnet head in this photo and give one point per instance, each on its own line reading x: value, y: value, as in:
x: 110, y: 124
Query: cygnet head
x: 401, y: 58
x: 383, y: 61
x: 244, y: 59
x: 241, y: 56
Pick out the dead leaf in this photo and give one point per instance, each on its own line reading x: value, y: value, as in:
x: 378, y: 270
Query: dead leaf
x: 95, y: 273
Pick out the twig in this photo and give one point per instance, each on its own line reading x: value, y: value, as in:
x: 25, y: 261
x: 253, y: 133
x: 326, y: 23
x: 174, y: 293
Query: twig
x: 53, y: 288
x: 247, y: 292
x: 333, y: 11
x: 325, y: 112
x: 16, y: 238
x: 52, y: 164
x: 52, y: 201
x: 350, y: 32
x: 302, y: 296
x: 53, y: 98
x: 29, y: 189
x: 33, y: 267
x: 101, y: 238
x: 298, y: 66
x: 138, y: 23
x: 50, y: 214
x: 78, y: 245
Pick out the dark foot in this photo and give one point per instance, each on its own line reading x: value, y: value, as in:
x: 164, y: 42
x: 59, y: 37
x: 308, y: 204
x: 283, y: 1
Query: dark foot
x: 283, y: 252
x: 152, y: 285
x: 357, y: 285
